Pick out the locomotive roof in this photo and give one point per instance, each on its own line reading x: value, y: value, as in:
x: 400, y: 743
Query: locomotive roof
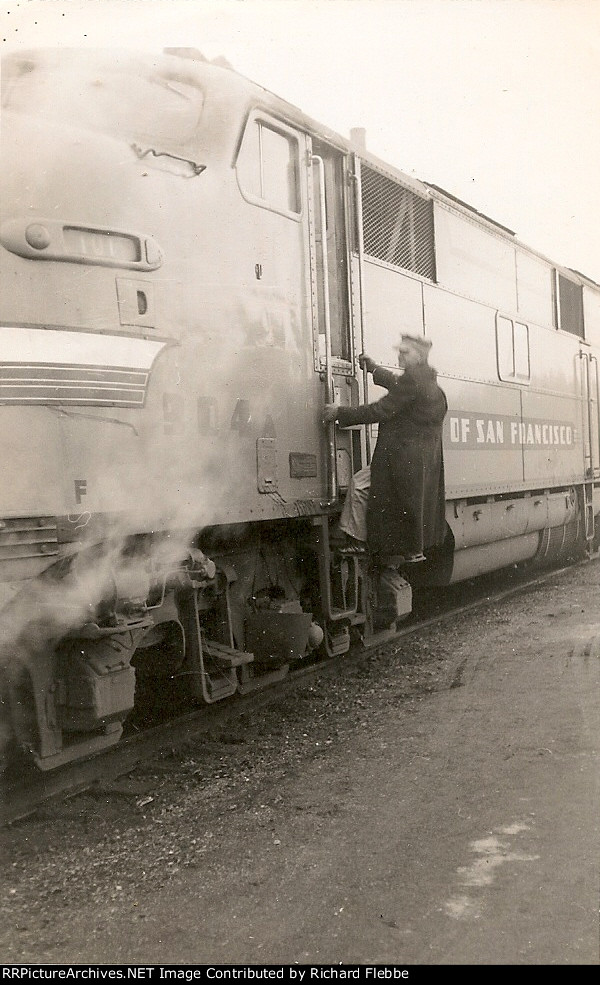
x: 188, y: 66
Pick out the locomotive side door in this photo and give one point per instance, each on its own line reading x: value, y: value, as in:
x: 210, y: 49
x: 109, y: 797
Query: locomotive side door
x: 331, y: 298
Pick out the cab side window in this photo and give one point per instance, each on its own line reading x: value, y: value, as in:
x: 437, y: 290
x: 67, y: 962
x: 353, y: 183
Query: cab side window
x: 268, y: 168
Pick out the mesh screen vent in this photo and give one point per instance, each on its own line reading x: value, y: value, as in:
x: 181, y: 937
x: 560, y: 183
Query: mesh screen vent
x: 397, y: 224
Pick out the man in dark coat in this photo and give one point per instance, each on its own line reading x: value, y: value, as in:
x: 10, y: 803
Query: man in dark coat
x: 406, y: 500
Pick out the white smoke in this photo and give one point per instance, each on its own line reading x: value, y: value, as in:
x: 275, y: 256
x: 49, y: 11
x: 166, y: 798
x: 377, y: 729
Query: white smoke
x: 150, y: 482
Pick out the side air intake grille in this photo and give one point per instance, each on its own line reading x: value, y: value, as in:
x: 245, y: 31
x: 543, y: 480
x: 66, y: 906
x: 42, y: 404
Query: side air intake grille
x: 397, y: 224
x: 28, y: 537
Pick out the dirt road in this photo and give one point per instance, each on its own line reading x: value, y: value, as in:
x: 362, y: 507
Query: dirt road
x: 436, y: 806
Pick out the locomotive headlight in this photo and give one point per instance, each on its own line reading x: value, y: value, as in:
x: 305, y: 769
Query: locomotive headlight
x: 37, y: 236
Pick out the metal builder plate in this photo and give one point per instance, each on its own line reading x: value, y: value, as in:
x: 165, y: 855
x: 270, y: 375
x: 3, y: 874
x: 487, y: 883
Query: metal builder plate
x: 302, y: 465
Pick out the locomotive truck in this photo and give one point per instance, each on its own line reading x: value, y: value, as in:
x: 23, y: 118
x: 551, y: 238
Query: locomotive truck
x: 190, y: 268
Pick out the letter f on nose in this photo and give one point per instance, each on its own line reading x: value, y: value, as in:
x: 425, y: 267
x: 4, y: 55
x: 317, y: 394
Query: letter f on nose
x: 80, y: 489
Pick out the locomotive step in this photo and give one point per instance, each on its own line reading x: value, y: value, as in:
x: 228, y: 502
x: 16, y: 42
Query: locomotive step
x: 225, y: 654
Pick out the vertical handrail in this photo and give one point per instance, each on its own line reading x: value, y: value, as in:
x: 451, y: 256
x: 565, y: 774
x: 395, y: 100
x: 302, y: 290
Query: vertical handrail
x: 587, y: 493
x: 360, y: 251
x: 332, y: 484
x: 588, y: 398
x: 593, y: 359
x: 585, y: 406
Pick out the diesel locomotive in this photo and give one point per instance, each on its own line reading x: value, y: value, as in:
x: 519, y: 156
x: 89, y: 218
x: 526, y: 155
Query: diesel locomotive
x: 190, y: 269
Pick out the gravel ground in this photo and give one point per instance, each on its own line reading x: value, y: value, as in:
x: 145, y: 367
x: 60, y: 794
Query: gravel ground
x: 116, y: 847
x: 135, y: 835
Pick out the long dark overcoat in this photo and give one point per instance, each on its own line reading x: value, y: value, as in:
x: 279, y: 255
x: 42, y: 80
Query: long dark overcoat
x: 406, y: 506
